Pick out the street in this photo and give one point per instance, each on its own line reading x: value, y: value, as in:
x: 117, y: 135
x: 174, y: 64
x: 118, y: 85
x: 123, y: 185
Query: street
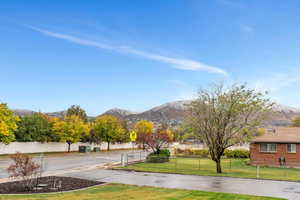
x: 52, y: 163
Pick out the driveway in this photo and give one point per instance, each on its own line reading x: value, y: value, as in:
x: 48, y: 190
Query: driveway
x: 283, y: 189
x: 64, y: 162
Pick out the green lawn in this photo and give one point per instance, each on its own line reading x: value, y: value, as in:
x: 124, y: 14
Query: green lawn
x: 126, y: 192
x: 232, y: 168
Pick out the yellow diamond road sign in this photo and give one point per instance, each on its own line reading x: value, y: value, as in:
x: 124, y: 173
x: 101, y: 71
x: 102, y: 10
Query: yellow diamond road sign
x: 133, y: 136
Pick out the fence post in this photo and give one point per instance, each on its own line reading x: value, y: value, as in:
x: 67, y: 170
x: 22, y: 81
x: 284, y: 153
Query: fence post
x: 199, y: 166
x: 257, y: 171
x: 126, y: 158
x: 140, y: 156
x: 122, y: 160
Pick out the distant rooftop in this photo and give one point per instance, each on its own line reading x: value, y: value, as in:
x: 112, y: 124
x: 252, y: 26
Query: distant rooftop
x: 280, y: 135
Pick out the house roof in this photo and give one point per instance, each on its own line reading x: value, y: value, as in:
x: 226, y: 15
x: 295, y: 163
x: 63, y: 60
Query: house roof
x: 280, y: 135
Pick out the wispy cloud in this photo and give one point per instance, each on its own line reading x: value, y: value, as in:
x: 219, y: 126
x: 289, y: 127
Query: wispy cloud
x: 179, y: 63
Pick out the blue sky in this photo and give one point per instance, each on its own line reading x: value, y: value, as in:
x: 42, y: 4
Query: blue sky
x: 138, y: 54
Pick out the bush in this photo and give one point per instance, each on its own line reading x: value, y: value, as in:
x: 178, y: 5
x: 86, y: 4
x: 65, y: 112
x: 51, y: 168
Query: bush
x: 237, y: 153
x: 25, y: 168
x: 163, y: 156
x: 202, y: 153
x: 165, y: 152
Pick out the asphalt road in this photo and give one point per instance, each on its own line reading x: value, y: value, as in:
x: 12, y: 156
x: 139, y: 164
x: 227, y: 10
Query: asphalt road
x: 66, y: 162
x: 283, y: 189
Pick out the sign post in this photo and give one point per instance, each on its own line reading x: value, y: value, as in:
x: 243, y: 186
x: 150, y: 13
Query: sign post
x: 133, y: 137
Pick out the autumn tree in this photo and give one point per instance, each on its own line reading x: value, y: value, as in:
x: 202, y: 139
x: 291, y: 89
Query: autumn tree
x: 70, y: 130
x: 296, y: 121
x: 108, y: 129
x: 35, y: 127
x: 8, y: 124
x: 78, y: 111
x: 158, y: 139
x: 143, y: 128
x: 125, y: 136
x: 222, y: 117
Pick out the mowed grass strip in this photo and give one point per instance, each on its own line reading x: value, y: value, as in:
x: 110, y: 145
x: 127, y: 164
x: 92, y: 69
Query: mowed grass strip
x: 206, y: 167
x: 126, y: 192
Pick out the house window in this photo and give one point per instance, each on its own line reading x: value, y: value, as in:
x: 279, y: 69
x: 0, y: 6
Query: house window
x: 291, y: 148
x: 264, y: 147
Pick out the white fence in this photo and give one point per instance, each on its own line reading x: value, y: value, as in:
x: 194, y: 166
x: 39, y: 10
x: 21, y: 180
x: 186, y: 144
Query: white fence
x: 36, y: 147
x: 131, y: 157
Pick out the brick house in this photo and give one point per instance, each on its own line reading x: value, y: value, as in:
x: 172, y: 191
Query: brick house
x: 278, y: 146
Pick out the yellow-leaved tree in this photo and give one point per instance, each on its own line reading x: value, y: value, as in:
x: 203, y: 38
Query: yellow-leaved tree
x: 108, y: 128
x: 143, y: 128
x: 70, y: 130
x: 8, y: 124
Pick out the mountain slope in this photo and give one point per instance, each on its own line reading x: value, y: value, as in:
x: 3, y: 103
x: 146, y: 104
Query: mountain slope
x: 59, y: 114
x: 174, y: 112
x: 119, y: 113
x: 22, y: 112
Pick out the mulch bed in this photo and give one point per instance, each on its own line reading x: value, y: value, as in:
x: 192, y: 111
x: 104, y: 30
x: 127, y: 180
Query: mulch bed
x: 67, y: 183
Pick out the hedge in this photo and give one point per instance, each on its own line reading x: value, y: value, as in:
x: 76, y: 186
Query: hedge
x: 204, y: 153
x: 163, y: 156
x: 237, y: 153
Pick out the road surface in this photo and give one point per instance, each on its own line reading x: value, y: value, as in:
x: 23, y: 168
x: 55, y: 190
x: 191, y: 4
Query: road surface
x: 61, y: 162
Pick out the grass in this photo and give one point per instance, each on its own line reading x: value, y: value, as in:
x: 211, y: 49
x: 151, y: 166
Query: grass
x: 206, y: 167
x: 125, y: 192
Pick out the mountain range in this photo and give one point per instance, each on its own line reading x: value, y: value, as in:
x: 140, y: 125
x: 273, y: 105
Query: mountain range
x: 173, y: 113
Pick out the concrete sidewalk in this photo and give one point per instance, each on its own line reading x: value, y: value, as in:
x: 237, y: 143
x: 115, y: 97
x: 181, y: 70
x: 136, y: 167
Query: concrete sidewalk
x: 283, y: 189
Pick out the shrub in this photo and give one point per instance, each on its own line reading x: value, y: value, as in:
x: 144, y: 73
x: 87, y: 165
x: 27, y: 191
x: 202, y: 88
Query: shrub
x: 237, y: 153
x: 25, y: 169
x: 202, y: 153
x: 165, y: 152
x: 163, y: 156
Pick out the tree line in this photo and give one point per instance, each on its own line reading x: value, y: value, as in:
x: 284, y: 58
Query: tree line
x: 75, y: 127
